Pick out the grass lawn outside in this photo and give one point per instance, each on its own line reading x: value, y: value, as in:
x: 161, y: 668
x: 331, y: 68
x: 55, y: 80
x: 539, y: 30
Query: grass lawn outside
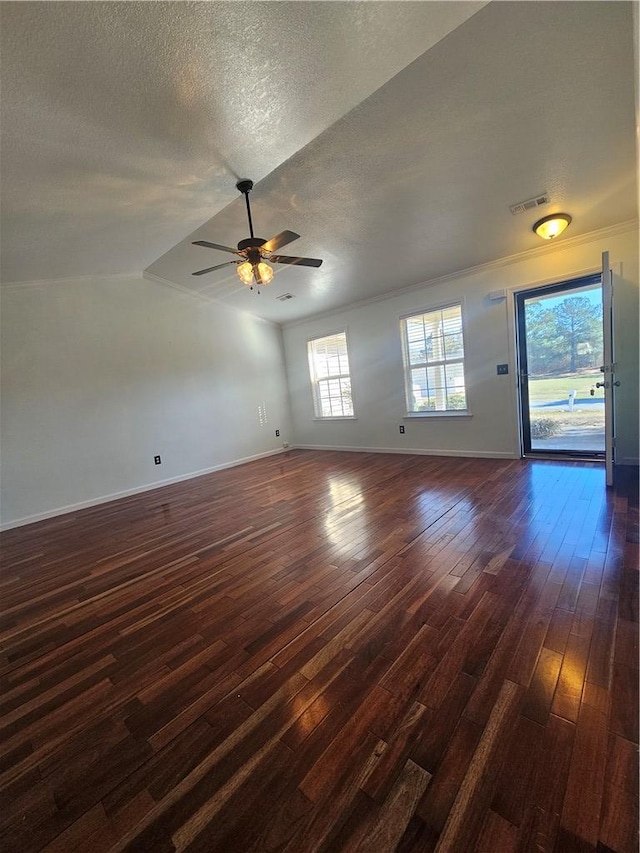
x: 550, y: 388
x: 587, y: 418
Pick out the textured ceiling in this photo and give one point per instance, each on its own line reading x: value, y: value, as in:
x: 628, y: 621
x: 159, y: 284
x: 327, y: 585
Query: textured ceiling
x: 126, y: 125
x: 392, y: 136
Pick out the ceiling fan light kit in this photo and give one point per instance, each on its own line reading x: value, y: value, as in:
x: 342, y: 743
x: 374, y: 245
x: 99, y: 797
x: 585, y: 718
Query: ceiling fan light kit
x: 551, y: 226
x: 248, y: 273
x: 253, y: 252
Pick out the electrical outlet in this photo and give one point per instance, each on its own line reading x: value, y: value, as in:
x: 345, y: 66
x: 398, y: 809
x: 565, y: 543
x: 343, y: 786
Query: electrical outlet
x: 502, y: 369
x: 277, y: 433
x: 402, y: 429
x: 157, y: 460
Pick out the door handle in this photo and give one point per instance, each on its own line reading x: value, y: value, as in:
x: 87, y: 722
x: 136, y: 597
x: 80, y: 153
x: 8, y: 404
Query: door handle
x: 617, y: 383
x: 602, y: 384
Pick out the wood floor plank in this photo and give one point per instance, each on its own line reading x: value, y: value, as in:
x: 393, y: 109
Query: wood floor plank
x: 396, y: 811
x: 393, y: 759
x: 539, y: 696
x: 436, y: 804
x: 469, y: 808
x: 541, y: 807
x: 522, y: 760
x: 327, y: 651
x: 343, y: 787
x: 585, y: 785
x: 496, y: 834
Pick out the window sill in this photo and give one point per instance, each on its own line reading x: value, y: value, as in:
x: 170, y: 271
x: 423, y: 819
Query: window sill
x: 337, y: 418
x: 412, y: 416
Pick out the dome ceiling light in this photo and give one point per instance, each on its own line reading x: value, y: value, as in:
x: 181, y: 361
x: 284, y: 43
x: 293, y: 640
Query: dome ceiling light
x: 551, y: 226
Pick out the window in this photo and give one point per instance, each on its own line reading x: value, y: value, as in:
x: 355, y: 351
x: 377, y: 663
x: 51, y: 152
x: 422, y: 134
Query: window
x: 434, y: 361
x: 330, y: 380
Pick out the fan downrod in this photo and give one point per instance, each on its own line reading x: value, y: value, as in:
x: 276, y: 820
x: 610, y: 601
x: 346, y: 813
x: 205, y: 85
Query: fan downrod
x: 245, y: 188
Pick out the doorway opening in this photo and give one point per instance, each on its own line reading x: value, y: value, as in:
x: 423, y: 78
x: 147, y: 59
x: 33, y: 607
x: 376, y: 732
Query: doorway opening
x: 560, y: 352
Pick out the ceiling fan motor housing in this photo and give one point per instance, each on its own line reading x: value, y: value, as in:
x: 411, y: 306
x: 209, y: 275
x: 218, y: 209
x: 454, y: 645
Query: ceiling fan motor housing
x: 251, y: 243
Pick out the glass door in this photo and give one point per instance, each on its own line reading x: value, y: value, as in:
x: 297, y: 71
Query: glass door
x: 560, y: 352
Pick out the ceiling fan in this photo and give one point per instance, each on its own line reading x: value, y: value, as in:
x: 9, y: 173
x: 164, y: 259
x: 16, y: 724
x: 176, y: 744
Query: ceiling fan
x: 254, y: 251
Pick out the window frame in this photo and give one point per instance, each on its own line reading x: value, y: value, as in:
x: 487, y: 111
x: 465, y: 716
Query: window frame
x: 407, y: 366
x: 314, y: 380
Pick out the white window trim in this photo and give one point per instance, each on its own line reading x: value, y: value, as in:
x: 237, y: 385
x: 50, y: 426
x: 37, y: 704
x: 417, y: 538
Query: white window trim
x: 332, y: 418
x: 313, y: 382
x: 446, y: 413
x: 425, y: 416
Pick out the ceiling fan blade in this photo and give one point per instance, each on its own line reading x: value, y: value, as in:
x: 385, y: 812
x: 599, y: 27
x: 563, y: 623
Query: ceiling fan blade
x: 211, y: 269
x: 303, y: 262
x: 279, y: 240
x: 215, y: 246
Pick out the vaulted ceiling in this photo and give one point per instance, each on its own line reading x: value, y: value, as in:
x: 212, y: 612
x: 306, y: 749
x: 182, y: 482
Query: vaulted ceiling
x: 392, y: 136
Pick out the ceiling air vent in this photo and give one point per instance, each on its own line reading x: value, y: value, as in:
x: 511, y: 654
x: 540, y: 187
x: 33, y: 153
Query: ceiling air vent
x: 529, y: 204
x: 284, y: 297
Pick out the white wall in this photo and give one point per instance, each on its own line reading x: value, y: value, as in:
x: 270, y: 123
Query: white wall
x: 100, y: 375
x: 373, y: 334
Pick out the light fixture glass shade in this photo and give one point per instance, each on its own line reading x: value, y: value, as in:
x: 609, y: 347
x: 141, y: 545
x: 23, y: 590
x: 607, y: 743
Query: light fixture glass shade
x: 266, y: 272
x: 550, y: 226
x: 246, y: 273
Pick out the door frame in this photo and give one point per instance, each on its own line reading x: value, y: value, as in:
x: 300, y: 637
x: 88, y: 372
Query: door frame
x: 510, y: 292
x: 608, y: 368
x: 522, y: 367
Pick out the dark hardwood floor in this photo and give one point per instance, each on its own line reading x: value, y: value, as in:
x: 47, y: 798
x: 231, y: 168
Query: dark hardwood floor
x: 328, y: 651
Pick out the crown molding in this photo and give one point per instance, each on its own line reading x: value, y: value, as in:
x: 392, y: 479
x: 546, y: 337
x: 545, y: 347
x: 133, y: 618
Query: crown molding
x: 157, y: 279
x: 74, y: 279
x: 211, y: 300
x: 136, y: 276
x: 537, y: 251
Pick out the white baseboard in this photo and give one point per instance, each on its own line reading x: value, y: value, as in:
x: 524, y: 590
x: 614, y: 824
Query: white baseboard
x: 471, y: 454
x: 467, y: 454
x: 158, y: 484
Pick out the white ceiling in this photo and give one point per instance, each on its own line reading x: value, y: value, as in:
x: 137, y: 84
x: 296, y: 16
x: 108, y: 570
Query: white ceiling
x: 392, y: 136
